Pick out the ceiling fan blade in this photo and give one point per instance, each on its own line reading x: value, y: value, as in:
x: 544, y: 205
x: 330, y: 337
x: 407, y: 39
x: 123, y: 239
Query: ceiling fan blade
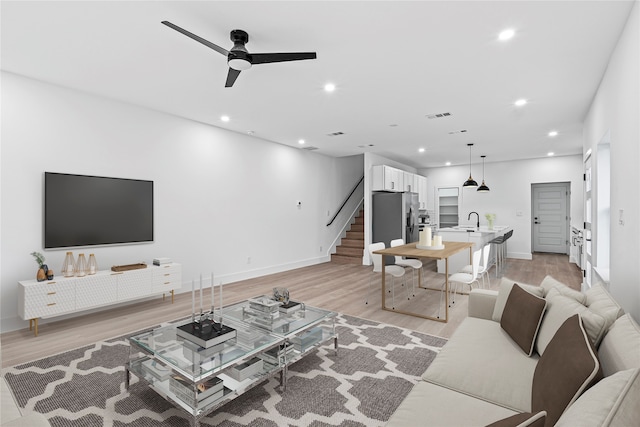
x: 232, y: 75
x: 197, y: 38
x: 264, y: 58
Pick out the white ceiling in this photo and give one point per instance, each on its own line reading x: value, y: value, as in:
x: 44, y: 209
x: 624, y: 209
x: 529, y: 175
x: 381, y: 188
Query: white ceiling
x: 393, y: 63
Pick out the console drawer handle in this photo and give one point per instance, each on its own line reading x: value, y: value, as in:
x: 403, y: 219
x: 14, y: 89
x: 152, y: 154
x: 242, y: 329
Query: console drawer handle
x: 51, y: 293
x: 51, y: 303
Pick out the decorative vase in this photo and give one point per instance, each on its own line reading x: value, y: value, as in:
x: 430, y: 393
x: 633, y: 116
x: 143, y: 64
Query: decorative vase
x: 490, y: 224
x: 41, y: 276
x: 81, y: 266
x: 93, y: 265
x: 69, y: 265
x: 49, y: 274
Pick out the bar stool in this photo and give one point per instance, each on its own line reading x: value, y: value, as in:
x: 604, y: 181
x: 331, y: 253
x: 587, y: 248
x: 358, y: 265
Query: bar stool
x: 501, y: 249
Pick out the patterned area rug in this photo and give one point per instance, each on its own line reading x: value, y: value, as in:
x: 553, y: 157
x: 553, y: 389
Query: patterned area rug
x: 376, y: 367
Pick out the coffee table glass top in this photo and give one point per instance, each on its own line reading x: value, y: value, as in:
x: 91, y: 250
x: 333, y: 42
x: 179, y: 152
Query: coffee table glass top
x: 286, y: 324
x: 194, y: 361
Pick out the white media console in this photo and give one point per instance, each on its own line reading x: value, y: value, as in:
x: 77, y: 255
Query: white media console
x: 64, y: 295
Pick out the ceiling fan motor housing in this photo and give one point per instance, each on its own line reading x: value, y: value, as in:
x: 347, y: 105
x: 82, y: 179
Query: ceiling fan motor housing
x: 239, y: 58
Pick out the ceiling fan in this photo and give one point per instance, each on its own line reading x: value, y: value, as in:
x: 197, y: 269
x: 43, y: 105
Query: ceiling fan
x: 238, y: 57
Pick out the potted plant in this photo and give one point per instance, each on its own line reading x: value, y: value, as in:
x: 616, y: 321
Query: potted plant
x: 43, y: 271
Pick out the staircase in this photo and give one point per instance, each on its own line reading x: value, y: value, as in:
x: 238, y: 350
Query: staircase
x: 351, y: 248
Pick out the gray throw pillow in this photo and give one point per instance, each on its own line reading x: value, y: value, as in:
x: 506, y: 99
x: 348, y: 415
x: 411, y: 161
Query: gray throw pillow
x: 565, y: 370
x: 522, y: 317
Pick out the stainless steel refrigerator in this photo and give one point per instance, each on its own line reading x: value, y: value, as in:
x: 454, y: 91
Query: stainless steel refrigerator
x: 394, y: 216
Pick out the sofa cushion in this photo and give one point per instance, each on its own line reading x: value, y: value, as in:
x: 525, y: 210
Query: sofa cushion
x: 549, y: 282
x: 620, y: 347
x: 429, y: 404
x: 567, y: 368
x: 613, y: 402
x: 599, y: 301
x: 522, y: 316
x: 559, y: 309
x: 526, y: 419
x: 503, y: 294
x: 481, y: 360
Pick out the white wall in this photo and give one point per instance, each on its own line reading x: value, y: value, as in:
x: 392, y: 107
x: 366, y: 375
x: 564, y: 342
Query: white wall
x: 616, y: 109
x: 220, y: 196
x: 510, y: 193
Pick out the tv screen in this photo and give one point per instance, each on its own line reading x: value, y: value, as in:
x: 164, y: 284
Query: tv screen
x: 82, y: 210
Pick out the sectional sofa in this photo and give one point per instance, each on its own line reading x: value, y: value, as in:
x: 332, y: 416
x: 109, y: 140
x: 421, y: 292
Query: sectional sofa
x: 533, y: 356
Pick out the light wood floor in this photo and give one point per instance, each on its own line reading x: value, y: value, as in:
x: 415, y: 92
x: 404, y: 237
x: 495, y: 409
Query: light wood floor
x: 341, y: 288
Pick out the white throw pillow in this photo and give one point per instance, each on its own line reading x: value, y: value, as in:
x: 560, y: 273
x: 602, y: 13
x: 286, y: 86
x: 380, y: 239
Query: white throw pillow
x: 612, y: 402
x: 549, y: 283
x: 620, y: 347
x: 504, y: 291
x: 559, y: 309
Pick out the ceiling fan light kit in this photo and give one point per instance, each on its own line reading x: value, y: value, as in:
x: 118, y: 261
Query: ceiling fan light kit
x: 470, y: 183
x: 483, y: 188
x: 238, y: 58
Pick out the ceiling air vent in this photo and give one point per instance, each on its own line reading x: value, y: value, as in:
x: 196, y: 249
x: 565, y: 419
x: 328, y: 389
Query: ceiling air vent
x: 310, y: 148
x: 453, y: 132
x: 335, y: 134
x: 438, y: 115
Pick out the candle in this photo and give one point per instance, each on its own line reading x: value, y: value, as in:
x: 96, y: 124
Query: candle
x: 200, y: 294
x: 427, y: 238
x: 212, y: 295
x: 437, y: 241
x: 193, y: 299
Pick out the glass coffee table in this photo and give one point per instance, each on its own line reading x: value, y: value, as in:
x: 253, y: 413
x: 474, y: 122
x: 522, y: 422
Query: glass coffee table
x: 199, y: 380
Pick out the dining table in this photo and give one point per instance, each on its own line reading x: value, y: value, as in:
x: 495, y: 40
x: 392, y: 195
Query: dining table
x: 410, y: 250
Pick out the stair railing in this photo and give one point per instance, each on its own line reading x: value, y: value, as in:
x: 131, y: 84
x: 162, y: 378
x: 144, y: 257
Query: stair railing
x: 345, y: 201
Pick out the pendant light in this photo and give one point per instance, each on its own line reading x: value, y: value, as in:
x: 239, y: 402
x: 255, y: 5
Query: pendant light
x: 483, y: 188
x: 470, y: 183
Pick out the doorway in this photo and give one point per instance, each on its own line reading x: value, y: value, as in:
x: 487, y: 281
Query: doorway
x: 550, y: 217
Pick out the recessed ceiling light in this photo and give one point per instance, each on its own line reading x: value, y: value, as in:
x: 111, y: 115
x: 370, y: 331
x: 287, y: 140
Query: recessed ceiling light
x: 421, y: 150
x: 225, y: 118
x: 448, y: 164
x: 301, y: 141
x: 550, y: 153
x: 506, y: 34
x: 553, y: 133
x: 520, y: 102
x: 329, y: 87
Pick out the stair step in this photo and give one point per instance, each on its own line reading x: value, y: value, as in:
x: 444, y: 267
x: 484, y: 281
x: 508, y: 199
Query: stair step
x: 345, y: 250
x: 357, y: 235
x: 341, y: 259
x: 352, y: 243
x: 357, y: 227
x: 359, y: 220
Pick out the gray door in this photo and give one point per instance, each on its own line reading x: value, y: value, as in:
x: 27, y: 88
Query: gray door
x: 550, y: 217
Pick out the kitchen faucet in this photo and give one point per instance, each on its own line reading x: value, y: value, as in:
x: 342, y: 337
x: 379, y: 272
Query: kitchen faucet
x: 478, y: 223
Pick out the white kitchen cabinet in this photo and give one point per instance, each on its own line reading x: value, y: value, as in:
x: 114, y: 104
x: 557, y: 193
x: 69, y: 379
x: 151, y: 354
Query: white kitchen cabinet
x: 64, y: 295
x: 386, y: 178
x: 422, y: 191
x: 410, y: 182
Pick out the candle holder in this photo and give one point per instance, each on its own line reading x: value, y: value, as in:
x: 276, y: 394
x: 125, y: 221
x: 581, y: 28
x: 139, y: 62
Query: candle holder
x: 81, y: 266
x: 69, y: 265
x: 93, y: 265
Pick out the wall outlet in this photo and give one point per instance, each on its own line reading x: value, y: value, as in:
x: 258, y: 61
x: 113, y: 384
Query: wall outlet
x: 320, y: 248
x: 248, y: 260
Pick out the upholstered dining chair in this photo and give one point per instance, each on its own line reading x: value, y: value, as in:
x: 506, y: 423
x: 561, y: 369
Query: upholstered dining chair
x: 394, y: 270
x: 414, y: 264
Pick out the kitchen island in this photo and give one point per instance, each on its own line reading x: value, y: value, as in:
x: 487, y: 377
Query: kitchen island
x: 478, y: 236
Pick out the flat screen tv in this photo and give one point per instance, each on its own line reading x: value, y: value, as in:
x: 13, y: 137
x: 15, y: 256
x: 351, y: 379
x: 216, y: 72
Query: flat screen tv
x: 82, y: 210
